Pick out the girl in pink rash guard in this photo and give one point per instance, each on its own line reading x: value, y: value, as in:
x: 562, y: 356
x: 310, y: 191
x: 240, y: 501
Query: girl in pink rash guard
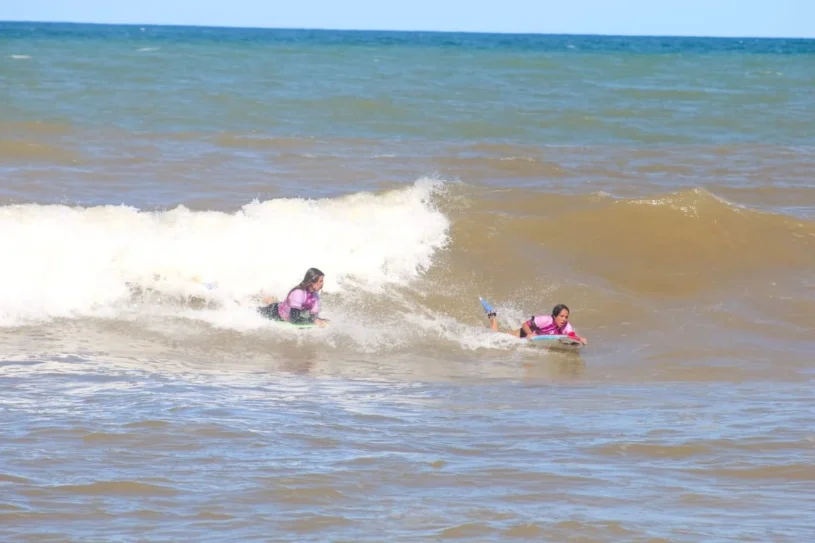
x: 556, y: 324
x: 302, y: 303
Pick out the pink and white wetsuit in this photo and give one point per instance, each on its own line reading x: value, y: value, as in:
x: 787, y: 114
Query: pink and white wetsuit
x: 544, y: 325
x: 300, y: 306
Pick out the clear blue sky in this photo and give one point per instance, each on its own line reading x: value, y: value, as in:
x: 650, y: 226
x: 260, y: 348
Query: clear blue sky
x: 756, y: 18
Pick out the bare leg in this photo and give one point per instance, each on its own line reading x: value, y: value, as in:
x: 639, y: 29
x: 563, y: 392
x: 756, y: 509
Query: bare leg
x: 494, y: 326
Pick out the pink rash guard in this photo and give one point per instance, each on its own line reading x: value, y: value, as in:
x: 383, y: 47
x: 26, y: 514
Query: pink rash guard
x: 301, y: 300
x: 544, y: 325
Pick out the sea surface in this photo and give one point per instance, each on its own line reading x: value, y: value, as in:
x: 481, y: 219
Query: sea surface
x: 156, y: 182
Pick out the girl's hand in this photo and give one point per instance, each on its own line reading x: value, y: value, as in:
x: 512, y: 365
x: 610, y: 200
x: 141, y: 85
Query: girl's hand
x: 321, y: 322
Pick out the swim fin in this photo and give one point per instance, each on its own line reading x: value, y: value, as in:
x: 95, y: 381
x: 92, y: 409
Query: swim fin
x: 488, y: 309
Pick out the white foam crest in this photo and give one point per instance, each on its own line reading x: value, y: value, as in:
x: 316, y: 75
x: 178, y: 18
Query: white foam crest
x: 62, y: 261
x: 468, y: 337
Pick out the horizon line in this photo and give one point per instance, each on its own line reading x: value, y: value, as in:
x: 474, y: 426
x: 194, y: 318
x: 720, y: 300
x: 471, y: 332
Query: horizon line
x: 416, y: 31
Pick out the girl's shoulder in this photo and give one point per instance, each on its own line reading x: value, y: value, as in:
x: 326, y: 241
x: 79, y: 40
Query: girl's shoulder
x: 543, y: 320
x: 297, y: 293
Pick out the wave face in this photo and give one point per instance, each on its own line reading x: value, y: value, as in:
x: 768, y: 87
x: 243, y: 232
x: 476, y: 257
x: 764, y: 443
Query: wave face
x: 404, y: 267
x: 92, y: 261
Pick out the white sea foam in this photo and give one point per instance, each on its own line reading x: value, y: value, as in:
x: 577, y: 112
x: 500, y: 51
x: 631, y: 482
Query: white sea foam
x: 62, y: 261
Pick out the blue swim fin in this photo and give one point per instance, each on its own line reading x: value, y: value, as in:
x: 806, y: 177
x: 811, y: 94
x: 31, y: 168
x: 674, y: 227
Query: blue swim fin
x: 487, y: 307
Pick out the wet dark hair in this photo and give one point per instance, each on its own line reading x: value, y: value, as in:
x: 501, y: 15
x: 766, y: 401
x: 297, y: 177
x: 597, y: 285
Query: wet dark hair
x: 312, y: 276
x: 558, y: 308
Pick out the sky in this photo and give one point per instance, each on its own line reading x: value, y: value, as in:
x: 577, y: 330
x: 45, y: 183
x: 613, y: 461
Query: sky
x: 736, y: 18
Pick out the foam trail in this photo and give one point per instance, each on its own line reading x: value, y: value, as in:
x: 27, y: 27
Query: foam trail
x: 62, y: 261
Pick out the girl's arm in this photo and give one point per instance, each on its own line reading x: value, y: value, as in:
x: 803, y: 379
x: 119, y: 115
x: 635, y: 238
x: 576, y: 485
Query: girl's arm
x: 298, y: 316
x: 573, y: 335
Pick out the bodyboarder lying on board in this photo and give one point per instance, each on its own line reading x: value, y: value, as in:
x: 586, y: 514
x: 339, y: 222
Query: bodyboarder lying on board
x: 556, y: 324
x: 302, y: 303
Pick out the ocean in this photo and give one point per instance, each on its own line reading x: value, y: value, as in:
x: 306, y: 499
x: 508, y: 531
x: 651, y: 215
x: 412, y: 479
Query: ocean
x: 156, y: 181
